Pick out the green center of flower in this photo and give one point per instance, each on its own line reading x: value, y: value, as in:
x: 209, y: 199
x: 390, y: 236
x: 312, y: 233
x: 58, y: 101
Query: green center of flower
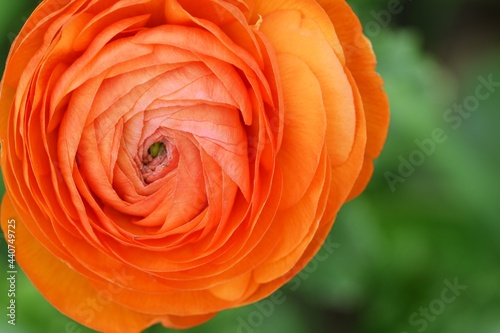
x: 157, y: 149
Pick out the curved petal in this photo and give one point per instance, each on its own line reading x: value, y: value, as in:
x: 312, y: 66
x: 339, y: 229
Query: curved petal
x: 290, y: 33
x: 73, y: 295
x: 361, y: 62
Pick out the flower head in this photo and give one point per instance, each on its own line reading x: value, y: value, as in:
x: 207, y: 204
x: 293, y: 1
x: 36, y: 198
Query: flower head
x: 176, y: 158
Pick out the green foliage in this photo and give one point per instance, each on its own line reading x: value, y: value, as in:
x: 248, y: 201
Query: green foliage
x: 13, y: 15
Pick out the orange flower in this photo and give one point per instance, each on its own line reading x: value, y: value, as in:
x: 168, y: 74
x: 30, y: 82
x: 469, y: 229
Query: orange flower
x: 168, y: 159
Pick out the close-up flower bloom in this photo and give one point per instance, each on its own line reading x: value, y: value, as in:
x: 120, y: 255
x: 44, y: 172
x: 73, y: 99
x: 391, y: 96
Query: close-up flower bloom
x: 179, y: 157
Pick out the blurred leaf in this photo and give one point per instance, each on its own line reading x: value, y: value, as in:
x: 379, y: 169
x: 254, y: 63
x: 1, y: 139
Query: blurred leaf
x: 13, y: 15
x: 419, y: 91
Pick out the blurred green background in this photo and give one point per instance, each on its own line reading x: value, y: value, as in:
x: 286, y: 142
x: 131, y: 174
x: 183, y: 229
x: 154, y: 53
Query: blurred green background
x: 430, y: 216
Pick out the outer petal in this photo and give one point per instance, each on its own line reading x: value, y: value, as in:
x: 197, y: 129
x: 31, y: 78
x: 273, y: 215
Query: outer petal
x: 361, y: 62
x: 73, y: 295
x: 292, y: 34
x: 345, y: 173
x: 304, y: 132
x: 309, y: 10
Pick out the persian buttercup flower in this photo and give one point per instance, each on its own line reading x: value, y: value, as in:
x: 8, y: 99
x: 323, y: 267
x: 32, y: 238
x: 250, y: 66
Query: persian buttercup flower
x: 169, y: 159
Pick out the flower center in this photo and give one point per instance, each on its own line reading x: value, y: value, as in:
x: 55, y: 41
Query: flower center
x: 157, y: 149
x: 160, y: 158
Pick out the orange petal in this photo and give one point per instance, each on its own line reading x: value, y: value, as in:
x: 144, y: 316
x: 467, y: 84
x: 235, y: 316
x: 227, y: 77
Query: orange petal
x: 361, y: 62
x: 73, y: 295
x: 343, y: 176
x: 302, y: 221
x: 290, y: 33
x: 346, y: 174
x: 308, y: 9
x: 232, y: 290
x: 7, y: 94
x: 304, y: 131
